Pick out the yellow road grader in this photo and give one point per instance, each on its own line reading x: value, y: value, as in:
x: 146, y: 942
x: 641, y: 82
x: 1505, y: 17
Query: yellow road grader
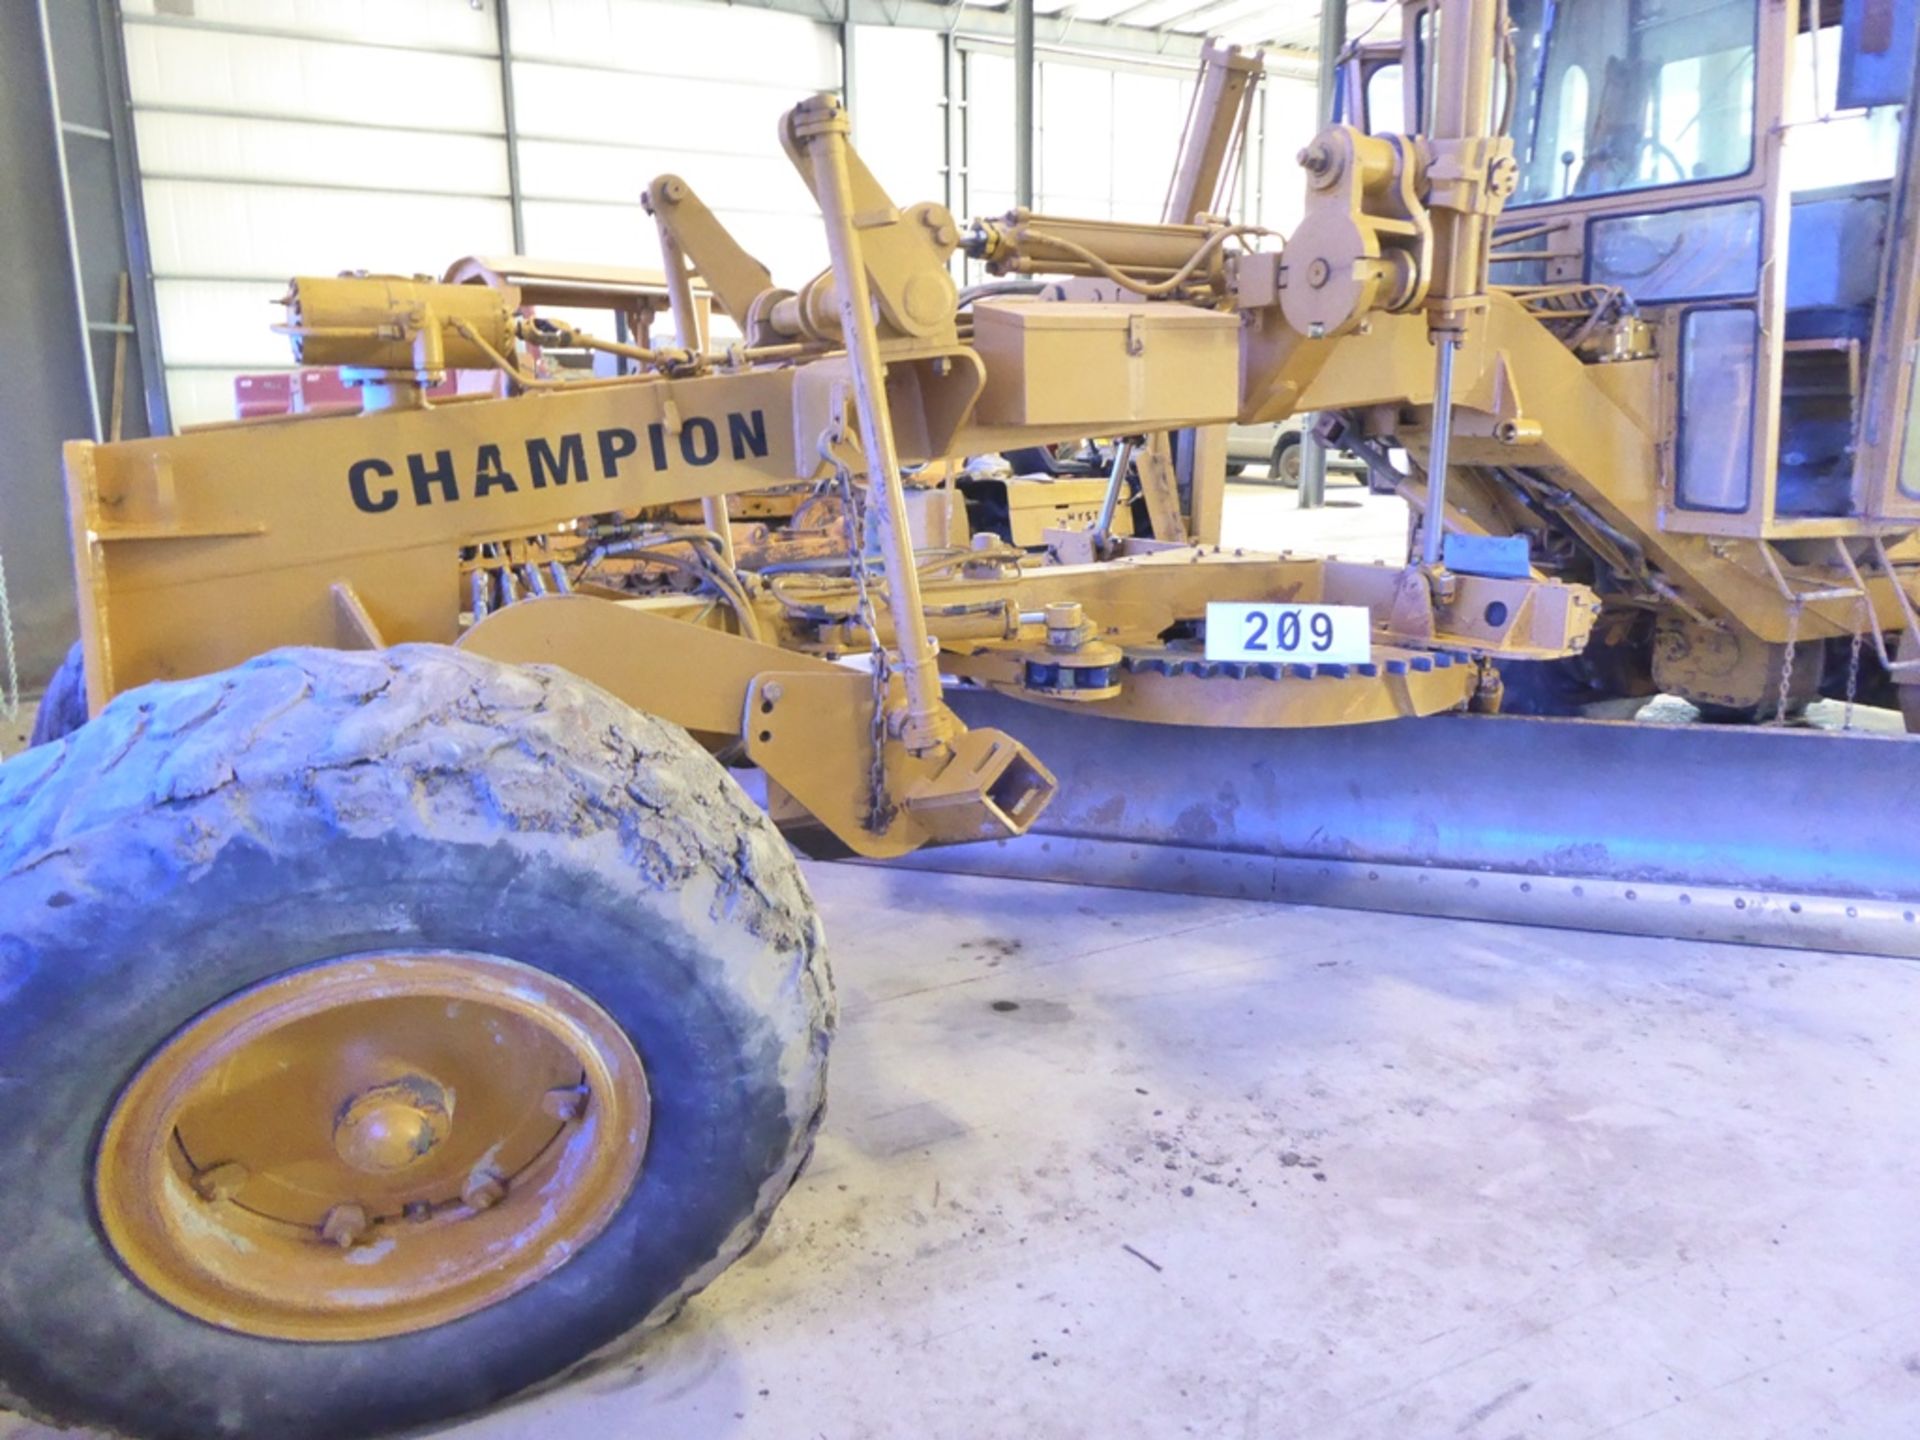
x: 402, y: 1004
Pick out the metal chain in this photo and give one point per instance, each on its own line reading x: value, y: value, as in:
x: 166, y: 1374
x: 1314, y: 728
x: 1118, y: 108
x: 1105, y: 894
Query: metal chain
x: 10, y: 698
x: 1786, y: 663
x: 1865, y: 612
x: 880, y: 809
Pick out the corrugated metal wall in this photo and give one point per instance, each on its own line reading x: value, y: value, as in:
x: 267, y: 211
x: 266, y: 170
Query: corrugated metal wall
x: 612, y: 93
x: 899, y: 112
x: 304, y: 136
x: 285, y: 136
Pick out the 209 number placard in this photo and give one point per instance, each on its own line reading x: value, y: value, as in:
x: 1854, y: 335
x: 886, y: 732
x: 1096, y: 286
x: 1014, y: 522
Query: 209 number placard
x: 1327, y: 634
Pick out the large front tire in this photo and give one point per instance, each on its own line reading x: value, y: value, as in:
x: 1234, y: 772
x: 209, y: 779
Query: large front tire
x: 302, y: 816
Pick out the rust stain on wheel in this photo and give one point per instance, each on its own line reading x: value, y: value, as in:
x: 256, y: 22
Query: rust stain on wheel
x: 372, y: 1145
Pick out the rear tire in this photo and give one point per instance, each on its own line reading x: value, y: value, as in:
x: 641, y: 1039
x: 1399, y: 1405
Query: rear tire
x: 201, y: 837
x: 1616, y: 664
x: 63, y: 709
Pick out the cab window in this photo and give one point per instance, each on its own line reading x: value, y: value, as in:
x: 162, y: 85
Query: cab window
x: 1622, y: 95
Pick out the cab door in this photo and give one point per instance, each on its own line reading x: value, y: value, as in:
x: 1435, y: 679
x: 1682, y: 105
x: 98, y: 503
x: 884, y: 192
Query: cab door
x: 1879, y: 43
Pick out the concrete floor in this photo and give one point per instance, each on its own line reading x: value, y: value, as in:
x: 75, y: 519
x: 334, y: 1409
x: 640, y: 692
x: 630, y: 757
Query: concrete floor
x: 1106, y: 1164
x: 1102, y: 1164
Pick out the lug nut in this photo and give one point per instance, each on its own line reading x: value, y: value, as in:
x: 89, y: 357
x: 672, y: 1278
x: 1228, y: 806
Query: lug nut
x: 220, y: 1182
x: 485, y: 1189
x: 344, y: 1225
x: 566, y: 1104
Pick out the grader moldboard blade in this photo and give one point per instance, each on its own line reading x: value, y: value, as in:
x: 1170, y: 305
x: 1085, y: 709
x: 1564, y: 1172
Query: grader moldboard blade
x: 1754, y: 835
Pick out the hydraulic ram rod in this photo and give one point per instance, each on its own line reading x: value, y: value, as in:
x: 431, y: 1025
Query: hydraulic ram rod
x: 1433, y: 523
x: 821, y: 125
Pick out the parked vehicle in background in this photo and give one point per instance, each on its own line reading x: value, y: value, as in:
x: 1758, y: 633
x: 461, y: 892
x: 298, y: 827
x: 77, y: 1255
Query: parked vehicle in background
x: 1278, y: 447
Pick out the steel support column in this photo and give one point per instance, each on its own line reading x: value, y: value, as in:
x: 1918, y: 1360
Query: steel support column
x: 133, y: 221
x: 79, y: 298
x: 1024, y: 74
x: 515, y: 198
x: 1333, y: 39
x: 61, y: 128
x: 954, y: 98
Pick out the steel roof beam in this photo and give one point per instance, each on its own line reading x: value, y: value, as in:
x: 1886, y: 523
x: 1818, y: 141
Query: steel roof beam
x: 1048, y: 30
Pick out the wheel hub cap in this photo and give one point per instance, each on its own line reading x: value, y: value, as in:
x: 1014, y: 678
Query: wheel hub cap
x: 290, y: 1165
x: 392, y: 1126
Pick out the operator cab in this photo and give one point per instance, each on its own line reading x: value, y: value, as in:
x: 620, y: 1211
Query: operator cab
x: 1719, y: 163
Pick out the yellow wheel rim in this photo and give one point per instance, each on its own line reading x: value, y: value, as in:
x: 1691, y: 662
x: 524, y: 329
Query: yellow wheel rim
x: 372, y: 1145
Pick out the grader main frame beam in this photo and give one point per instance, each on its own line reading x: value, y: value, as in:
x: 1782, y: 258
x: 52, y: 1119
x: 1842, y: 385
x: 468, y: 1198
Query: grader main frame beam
x: 192, y: 564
